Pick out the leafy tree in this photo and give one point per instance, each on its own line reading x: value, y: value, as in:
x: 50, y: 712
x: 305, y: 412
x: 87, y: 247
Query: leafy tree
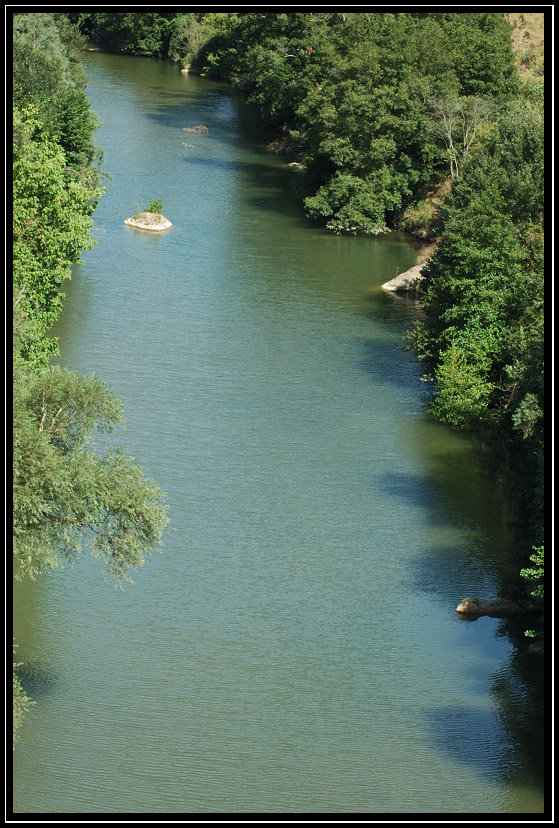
x: 65, y: 496
x: 51, y: 226
x: 76, y: 125
x: 483, y: 289
x: 146, y: 34
x: 483, y: 300
x: 49, y: 79
x: 481, y: 47
x: 456, y: 121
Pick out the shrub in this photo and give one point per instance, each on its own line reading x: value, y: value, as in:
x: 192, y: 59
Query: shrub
x: 155, y: 206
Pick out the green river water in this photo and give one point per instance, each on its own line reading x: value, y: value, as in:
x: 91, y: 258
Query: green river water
x: 295, y: 649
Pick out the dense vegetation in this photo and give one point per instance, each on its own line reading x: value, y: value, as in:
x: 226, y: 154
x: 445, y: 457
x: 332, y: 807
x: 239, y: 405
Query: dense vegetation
x: 384, y: 111
x: 482, y: 336
x: 353, y: 94
x: 66, y: 497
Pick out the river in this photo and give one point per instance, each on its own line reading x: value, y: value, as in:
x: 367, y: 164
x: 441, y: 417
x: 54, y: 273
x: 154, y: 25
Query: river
x: 295, y: 648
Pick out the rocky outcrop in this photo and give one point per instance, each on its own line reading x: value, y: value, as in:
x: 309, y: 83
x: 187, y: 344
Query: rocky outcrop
x: 471, y: 608
x: 148, y: 221
x: 405, y: 281
x: 499, y: 608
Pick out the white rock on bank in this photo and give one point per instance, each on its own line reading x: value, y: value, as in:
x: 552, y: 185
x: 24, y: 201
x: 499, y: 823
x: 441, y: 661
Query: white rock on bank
x: 148, y: 221
x: 405, y: 281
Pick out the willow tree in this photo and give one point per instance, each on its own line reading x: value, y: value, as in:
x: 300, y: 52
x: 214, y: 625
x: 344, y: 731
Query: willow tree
x: 67, y: 497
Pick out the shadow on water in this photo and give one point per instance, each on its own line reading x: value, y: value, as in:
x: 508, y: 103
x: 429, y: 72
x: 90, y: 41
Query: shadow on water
x: 505, y: 742
x: 38, y: 680
x: 473, y: 499
x: 510, y: 734
x: 389, y: 362
x: 259, y: 172
x: 506, y: 738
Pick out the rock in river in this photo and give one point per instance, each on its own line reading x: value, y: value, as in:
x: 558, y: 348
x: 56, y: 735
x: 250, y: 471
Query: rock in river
x: 148, y: 221
x: 498, y: 608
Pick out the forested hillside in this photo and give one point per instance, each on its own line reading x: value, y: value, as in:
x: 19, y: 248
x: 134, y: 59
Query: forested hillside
x: 388, y: 114
x: 66, y: 498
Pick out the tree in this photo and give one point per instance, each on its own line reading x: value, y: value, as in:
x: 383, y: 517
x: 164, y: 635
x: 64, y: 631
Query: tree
x: 456, y: 120
x: 49, y: 79
x: 67, y: 498
x: 483, y: 318
x: 51, y: 226
x: 135, y: 33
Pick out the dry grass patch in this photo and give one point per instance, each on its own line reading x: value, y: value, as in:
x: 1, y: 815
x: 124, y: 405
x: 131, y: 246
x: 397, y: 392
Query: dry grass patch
x: 528, y: 42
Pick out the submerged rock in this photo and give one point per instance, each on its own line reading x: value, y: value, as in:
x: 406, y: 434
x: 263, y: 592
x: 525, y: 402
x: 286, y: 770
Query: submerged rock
x: 148, y: 221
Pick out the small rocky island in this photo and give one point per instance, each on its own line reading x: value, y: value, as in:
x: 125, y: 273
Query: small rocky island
x: 148, y: 221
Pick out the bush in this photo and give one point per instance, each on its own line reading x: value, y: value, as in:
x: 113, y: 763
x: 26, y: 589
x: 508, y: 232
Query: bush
x: 155, y: 206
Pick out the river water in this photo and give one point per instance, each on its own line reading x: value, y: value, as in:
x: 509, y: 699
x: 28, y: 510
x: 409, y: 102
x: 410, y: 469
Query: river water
x: 295, y: 648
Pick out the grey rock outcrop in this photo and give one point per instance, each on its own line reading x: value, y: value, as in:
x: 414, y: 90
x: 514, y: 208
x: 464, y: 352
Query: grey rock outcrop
x: 405, y: 281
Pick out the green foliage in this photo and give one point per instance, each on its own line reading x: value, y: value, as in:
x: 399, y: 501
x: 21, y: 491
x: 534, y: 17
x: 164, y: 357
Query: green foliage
x: 481, y: 47
x: 535, y: 575
x: 155, y: 206
x: 482, y: 332
x: 65, y: 497
x: 419, y: 218
x: 352, y: 91
x: 464, y: 389
x: 51, y: 226
x: 76, y: 124
x: 21, y: 701
x: 50, y: 81
x: 146, y: 34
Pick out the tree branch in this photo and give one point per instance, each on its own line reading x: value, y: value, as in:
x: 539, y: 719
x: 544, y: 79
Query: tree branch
x: 44, y: 410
